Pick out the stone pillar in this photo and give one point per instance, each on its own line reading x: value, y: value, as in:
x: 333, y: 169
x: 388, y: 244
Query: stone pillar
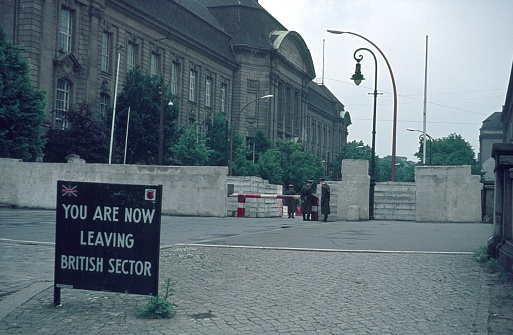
x: 501, y: 244
x: 352, y: 201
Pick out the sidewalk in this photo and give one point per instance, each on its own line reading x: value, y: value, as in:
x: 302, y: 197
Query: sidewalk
x: 263, y: 291
x: 291, y: 278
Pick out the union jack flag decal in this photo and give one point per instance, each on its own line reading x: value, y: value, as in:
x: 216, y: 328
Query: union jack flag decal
x: 69, y: 190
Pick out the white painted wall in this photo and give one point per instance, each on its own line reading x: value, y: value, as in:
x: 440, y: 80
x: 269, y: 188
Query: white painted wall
x: 447, y: 194
x: 187, y: 190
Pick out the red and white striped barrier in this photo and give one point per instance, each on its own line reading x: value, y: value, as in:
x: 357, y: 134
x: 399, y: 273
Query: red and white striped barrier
x: 241, y: 199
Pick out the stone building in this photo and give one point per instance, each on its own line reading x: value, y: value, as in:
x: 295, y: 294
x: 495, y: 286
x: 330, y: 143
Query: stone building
x: 490, y: 133
x: 217, y: 55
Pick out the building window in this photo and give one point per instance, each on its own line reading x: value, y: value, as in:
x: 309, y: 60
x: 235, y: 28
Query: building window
x: 62, y: 104
x: 154, y: 64
x: 192, y: 86
x: 105, y: 51
x: 174, y: 78
x: 65, y: 30
x: 104, y: 105
x: 131, y: 52
x: 223, y: 98
x: 208, y: 92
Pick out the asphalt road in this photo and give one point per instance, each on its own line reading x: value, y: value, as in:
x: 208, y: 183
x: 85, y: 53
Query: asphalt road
x: 39, y: 226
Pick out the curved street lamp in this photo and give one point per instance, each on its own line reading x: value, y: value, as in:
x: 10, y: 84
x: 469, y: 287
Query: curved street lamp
x: 394, y: 130
x: 357, y: 78
x: 423, y: 136
x: 233, y: 127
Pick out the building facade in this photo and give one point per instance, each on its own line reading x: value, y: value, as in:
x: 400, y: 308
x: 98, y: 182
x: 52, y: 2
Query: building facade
x: 216, y: 55
x: 500, y: 245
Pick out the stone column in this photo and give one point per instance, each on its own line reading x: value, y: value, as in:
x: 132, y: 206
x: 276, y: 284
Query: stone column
x: 501, y: 244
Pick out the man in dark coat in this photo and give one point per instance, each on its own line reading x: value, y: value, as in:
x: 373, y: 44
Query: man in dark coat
x: 325, y: 199
x: 306, y: 200
x: 290, y: 203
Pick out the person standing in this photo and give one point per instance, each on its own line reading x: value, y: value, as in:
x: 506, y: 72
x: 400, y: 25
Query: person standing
x: 290, y: 202
x: 306, y: 200
x: 325, y: 199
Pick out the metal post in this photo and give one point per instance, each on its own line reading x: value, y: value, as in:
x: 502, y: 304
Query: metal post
x: 394, y: 128
x: 358, y: 77
x: 126, y: 136
x: 161, y: 127
x: 56, y: 296
x: 114, y: 109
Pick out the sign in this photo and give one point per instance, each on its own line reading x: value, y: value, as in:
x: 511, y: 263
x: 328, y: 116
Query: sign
x: 107, y: 237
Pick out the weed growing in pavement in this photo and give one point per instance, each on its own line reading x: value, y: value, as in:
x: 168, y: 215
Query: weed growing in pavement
x: 493, y: 264
x: 503, y: 277
x: 159, y: 307
x: 481, y: 254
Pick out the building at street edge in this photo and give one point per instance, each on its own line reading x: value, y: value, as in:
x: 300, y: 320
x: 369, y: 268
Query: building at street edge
x: 216, y: 55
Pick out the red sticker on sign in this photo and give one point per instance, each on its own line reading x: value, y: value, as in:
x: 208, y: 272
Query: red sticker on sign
x: 150, y: 194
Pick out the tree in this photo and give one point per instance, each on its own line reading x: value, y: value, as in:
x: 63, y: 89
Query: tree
x: 85, y: 137
x: 217, y: 141
x: 450, y: 150
x: 350, y: 150
x: 270, y: 166
x: 262, y: 144
x: 21, y: 106
x: 191, y: 148
x: 241, y: 166
x: 288, y: 163
x: 142, y: 94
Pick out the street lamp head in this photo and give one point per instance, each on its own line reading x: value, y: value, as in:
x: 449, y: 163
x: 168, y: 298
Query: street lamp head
x: 337, y: 32
x: 357, y: 76
x: 170, y: 103
x: 266, y: 96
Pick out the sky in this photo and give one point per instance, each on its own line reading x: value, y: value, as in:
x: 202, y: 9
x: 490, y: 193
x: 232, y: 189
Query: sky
x: 469, y: 60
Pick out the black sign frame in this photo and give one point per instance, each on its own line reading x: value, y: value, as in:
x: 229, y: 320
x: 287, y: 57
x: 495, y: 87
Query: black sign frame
x: 107, y: 237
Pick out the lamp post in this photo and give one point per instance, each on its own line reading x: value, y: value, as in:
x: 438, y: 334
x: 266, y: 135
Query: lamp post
x: 161, y: 125
x: 394, y: 127
x: 233, y: 127
x: 423, y: 137
x: 357, y: 78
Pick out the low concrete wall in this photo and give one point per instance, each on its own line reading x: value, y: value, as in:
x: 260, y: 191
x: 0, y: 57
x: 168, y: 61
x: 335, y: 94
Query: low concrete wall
x: 353, y: 191
x: 447, y: 194
x: 187, y: 190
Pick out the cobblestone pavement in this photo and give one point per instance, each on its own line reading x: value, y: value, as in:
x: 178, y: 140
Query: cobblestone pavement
x: 223, y: 290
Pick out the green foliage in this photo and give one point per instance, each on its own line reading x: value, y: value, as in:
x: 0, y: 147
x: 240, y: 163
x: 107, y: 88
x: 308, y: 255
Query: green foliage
x: 493, y: 264
x: 159, y: 307
x: 21, y: 106
x: 85, y: 137
x: 217, y: 141
x: 270, y: 166
x: 142, y: 93
x: 191, y: 148
x: 450, y: 150
x: 288, y: 163
x: 481, y: 255
x: 262, y: 144
x: 241, y: 166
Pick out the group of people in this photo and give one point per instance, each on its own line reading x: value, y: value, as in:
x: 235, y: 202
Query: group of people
x: 306, y: 200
